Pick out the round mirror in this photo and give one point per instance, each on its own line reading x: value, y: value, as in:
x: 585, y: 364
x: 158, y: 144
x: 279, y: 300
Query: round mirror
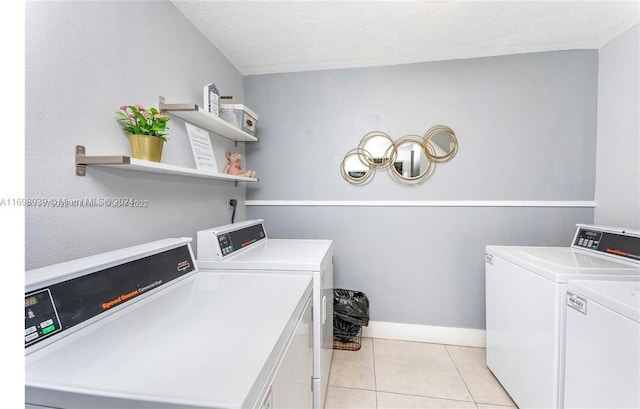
x: 412, y: 163
x: 354, y: 169
x: 441, y: 143
x: 381, y: 150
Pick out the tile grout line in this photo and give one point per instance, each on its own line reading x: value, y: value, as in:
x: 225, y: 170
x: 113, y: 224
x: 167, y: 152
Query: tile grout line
x: 460, y: 373
x: 375, y: 380
x: 438, y: 398
x: 352, y: 387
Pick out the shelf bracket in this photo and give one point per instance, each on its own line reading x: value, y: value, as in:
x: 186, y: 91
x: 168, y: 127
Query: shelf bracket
x: 163, y: 107
x: 82, y: 160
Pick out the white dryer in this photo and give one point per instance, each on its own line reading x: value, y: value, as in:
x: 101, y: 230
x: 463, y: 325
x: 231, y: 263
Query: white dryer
x: 142, y: 328
x: 245, y: 246
x: 602, y: 361
x: 525, y: 306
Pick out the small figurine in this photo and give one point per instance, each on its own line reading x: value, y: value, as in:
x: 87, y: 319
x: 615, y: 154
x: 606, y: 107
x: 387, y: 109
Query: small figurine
x: 234, y: 167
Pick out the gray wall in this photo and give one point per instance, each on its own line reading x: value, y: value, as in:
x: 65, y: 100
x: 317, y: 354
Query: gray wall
x: 84, y: 60
x: 526, y: 125
x: 618, y: 158
x: 420, y: 265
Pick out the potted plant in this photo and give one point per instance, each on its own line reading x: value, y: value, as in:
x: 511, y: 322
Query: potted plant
x: 146, y: 128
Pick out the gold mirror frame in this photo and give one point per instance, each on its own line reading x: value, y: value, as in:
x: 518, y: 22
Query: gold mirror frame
x: 441, y: 130
x: 368, y: 173
x: 370, y: 160
x: 432, y: 151
x: 424, y: 174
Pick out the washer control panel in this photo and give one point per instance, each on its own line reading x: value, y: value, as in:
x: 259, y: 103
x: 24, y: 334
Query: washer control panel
x: 65, y: 304
x: 588, y: 239
x: 40, y: 316
x: 621, y: 244
x: 235, y: 240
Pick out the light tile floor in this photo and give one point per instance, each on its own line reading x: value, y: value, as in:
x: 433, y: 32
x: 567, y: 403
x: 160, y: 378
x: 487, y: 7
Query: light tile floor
x: 387, y: 374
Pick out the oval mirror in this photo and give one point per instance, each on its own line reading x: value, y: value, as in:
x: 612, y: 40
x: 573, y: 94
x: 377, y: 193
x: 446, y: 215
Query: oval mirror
x: 380, y: 147
x: 412, y: 164
x: 354, y: 170
x: 441, y: 143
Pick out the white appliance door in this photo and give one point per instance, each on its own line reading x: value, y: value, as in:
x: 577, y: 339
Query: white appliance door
x: 523, y: 321
x: 323, y: 328
x: 291, y: 386
x: 327, y: 326
x: 602, y: 359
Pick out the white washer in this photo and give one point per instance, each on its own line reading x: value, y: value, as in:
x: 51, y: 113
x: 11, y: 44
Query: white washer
x: 142, y: 328
x: 244, y: 246
x: 602, y: 362
x: 525, y: 306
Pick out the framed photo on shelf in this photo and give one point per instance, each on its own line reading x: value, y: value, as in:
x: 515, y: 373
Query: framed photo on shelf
x: 212, y: 99
x: 201, y: 148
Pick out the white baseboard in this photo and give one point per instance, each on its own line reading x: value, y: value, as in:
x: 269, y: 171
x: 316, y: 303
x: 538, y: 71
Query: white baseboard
x: 425, y: 333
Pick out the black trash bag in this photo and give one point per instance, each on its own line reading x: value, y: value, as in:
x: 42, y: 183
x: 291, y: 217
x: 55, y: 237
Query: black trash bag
x: 351, y: 306
x: 343, y: 330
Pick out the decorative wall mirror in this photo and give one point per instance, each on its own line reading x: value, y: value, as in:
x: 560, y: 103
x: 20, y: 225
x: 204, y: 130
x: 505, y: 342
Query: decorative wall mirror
x: 413, y: 162
x: 410, y: 159
x: 355, y: 167
x: 443, y: 141
x: 380, y: 148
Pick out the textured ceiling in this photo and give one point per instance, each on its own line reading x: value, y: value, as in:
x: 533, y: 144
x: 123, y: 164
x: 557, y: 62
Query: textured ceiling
x: 261, y: 37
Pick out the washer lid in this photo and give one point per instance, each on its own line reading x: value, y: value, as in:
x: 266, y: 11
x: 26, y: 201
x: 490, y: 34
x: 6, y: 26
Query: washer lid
x: 622, y: 297
x: 210, y: 341
x: 561, y: 264
x: 277, y: 254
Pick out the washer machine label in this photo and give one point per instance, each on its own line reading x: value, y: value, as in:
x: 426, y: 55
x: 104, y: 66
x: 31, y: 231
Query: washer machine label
x: 488, y: 258
x: 577, y: 302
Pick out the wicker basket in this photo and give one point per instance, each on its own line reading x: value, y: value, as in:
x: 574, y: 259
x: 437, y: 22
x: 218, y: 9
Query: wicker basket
x: 347, y: 342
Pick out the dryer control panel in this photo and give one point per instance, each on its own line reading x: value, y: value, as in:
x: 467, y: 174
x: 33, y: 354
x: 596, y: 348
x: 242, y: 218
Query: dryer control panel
x: 623, y: 244
x: 219, y: 243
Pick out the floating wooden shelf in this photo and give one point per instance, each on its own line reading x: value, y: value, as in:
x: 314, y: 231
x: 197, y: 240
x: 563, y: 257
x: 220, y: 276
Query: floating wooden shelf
x: 138, y: 165
x: 199, y: 117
